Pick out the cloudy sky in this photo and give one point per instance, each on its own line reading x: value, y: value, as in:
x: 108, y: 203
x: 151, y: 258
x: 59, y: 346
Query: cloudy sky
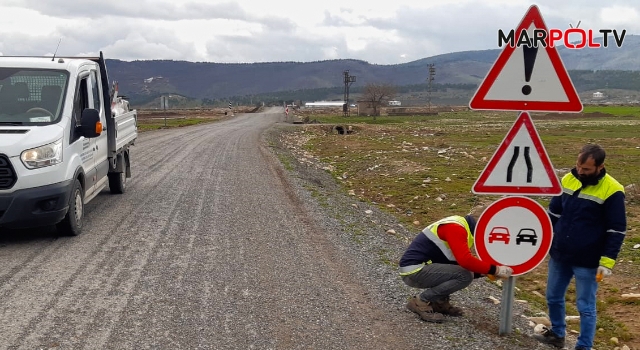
x: 381, y: 32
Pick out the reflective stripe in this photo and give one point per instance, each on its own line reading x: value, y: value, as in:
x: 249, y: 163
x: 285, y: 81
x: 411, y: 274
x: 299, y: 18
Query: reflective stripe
x: 431, y: 232
x: 442, y: 245
x: 410, y: 270
x: 591, y: 198
x: 553, y: 214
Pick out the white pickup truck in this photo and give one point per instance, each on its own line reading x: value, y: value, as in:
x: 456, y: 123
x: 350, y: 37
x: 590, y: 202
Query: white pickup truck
x: 64, y: 136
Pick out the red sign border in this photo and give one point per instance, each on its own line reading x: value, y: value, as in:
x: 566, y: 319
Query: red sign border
x: 523, y: 119
x: 515, y: 201
x: 574, y: 104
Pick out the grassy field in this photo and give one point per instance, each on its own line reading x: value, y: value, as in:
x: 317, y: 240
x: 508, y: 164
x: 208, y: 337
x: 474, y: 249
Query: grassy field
x: 614, y: 110
x: 422, y: 168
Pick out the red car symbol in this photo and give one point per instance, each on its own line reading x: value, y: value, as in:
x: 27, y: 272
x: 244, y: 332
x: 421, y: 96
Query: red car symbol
x: 499, y: 234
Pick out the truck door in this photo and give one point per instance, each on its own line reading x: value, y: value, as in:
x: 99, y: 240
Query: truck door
x: 80, y: 102
x: 100, y: 142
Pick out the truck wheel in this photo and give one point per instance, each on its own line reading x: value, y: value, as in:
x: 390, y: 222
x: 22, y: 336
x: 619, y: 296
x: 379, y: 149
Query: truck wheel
x: 71, y: 225
x: 117, y: 182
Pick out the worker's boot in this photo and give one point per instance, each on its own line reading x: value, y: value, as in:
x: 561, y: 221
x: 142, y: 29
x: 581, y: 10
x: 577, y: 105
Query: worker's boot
x: 425, y: 310
x: 444, y: 307
x: 549, y: 337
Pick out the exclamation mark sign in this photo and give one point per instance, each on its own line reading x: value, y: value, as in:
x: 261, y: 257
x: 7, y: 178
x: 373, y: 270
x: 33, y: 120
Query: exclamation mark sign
x: 530, y: 53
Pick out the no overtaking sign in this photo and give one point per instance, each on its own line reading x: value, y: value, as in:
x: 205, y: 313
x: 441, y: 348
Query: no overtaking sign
x: 514, y: 231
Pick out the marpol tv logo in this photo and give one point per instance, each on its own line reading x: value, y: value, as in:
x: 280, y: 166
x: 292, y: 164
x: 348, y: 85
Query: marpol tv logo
x: 572, y: 38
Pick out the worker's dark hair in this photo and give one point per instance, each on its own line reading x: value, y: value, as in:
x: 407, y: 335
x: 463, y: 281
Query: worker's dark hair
x: 594, y: 151
x: 472, y: 223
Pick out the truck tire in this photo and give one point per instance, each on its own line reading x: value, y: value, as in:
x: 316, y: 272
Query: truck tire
x: 71, y: 225
x: 117, y: 182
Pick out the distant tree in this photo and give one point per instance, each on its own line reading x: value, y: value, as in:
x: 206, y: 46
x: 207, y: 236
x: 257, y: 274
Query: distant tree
x: 377, y: 94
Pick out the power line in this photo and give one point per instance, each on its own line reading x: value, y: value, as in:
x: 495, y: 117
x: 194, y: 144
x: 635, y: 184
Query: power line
x: 348, y: 80
x: 432, y: 73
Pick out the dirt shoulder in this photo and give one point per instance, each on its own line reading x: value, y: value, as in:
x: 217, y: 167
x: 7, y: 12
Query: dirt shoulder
x: 377, y: 240
x: 617, y: 316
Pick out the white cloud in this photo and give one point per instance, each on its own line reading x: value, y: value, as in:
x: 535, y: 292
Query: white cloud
x: 619, y: 16
x: 284, y: 30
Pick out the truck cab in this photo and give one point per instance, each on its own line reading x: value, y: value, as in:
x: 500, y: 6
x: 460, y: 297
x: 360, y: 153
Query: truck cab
x: 61, y: 140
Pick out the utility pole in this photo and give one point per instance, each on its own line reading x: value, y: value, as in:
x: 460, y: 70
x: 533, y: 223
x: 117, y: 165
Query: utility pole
x: 164, y: 103
x: 432, y: 73
x: 348, y: 80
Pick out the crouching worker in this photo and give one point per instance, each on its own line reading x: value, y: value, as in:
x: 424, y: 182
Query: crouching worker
x: 440, y: 260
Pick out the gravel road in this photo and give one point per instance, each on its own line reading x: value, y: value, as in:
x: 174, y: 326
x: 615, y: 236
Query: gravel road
x: 215, y: 245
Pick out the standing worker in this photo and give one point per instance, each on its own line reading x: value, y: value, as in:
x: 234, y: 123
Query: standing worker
x: 439, y: 259
x: 589, y: 224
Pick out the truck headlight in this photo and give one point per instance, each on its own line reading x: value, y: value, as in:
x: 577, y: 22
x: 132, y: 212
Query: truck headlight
x: 42, y: 156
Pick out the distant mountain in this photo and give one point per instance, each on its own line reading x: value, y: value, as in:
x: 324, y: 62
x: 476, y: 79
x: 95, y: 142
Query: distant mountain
x: 146, y: 80
x: 611, y: 58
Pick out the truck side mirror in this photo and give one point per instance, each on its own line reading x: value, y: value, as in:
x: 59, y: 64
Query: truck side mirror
x: 90, y: 123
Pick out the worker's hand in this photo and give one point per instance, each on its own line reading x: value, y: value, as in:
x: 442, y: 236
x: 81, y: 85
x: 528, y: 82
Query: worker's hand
x: 602, y: 272
x: 503, y: 272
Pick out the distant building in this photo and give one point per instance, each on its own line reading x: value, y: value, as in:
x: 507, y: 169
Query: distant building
x: 324, y: 104
x: 598, y: 95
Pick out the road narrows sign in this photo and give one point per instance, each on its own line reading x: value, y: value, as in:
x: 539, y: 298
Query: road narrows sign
x: 514, y: 231
x: 520, y: 165
x: 526, y: 78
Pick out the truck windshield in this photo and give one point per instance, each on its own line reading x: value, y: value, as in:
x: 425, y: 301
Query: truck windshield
x: 31, y: 96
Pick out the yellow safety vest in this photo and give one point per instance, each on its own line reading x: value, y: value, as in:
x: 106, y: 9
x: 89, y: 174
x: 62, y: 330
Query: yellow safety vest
x: 431, y: 232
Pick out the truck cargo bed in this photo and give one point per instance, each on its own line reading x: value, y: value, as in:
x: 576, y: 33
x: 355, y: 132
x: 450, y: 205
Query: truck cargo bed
x: 126, y: 130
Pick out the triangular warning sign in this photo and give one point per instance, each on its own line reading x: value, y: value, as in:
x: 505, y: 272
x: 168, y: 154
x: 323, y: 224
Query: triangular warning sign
x: 520, y: 165
x: 528, y: 79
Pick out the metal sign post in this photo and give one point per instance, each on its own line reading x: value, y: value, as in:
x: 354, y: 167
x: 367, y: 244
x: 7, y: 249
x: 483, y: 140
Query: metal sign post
x: 506, y: 305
